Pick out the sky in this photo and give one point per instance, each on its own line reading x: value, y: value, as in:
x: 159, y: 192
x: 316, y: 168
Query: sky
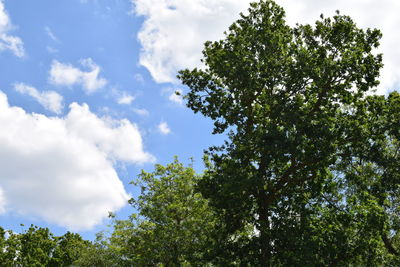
x: 87, y: 97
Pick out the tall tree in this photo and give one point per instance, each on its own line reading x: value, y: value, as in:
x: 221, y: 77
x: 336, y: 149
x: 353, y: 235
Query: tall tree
x: 291, y: 100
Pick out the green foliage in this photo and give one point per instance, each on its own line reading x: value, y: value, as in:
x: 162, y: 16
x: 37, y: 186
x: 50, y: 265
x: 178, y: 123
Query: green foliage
x: 38, y: 247
x: 69, y: 249
x: 311, y: 164
x: 173, y: 222
x: 9, y: 245
x: 99, y: 254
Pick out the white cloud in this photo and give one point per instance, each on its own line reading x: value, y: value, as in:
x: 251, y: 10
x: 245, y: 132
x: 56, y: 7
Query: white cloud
x: 122, y: 97
x: 8, y: 42
x: 50, y: 100
x: 164, y: 128
x: 125, y: 99
x: 174, y: 94
x: 61, y: 169
x: 141, y: 111
x: 121, y: 139
x: 50, y: 33
x: 2, y: 202
x: 176, y: 97
x: 174, y: 31
x: 68, y: 75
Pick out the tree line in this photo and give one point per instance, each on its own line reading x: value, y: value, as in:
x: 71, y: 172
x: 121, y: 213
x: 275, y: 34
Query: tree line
x: 309, y: 174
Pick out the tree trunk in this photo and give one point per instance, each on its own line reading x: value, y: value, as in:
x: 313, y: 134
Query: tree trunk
x: 264, y: 228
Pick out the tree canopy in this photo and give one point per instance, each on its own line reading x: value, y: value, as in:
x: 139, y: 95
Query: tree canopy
x: 311, y: 159
x: 173, y: 223
x: 37, y: 246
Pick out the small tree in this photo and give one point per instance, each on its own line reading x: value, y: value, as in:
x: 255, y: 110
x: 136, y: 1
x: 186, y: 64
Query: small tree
x: 173, y: 223
x: 39, y: 247
x: 35, y: 247
x: 69, y: 248
x: 99, y: 253
x: 9, y: 247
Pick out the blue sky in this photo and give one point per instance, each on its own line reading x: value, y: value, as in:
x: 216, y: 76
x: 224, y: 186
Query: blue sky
x: 87, y: 97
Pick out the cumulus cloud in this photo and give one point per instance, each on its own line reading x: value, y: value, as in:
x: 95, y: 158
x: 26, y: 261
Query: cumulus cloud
x: 164, y: 128
x: 120, y: 139
x: 62, y: 169
x: 174, y: 94
x: 122, y: 97
x: 176, y: 97
x: 9, y: 42
x: 50, y: 100
x: 68, y: 75
x: 125, y: 99
x: 174, y: 31
x: 141, y: 111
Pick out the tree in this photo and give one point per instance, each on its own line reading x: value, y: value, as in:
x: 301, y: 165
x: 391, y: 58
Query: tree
x: 372, y: 171
x: 301, y: 166
x: 9, y: 245
x: 173, y: 222
x: 99, y: 253
x: 69, y: 248
x: 37, y: 246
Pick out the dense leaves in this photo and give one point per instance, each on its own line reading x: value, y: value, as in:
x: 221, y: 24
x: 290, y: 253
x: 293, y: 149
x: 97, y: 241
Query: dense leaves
x: 173, y: 223
x: 38, y: 247
x: 311, y: 161
x: 100, y: 253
